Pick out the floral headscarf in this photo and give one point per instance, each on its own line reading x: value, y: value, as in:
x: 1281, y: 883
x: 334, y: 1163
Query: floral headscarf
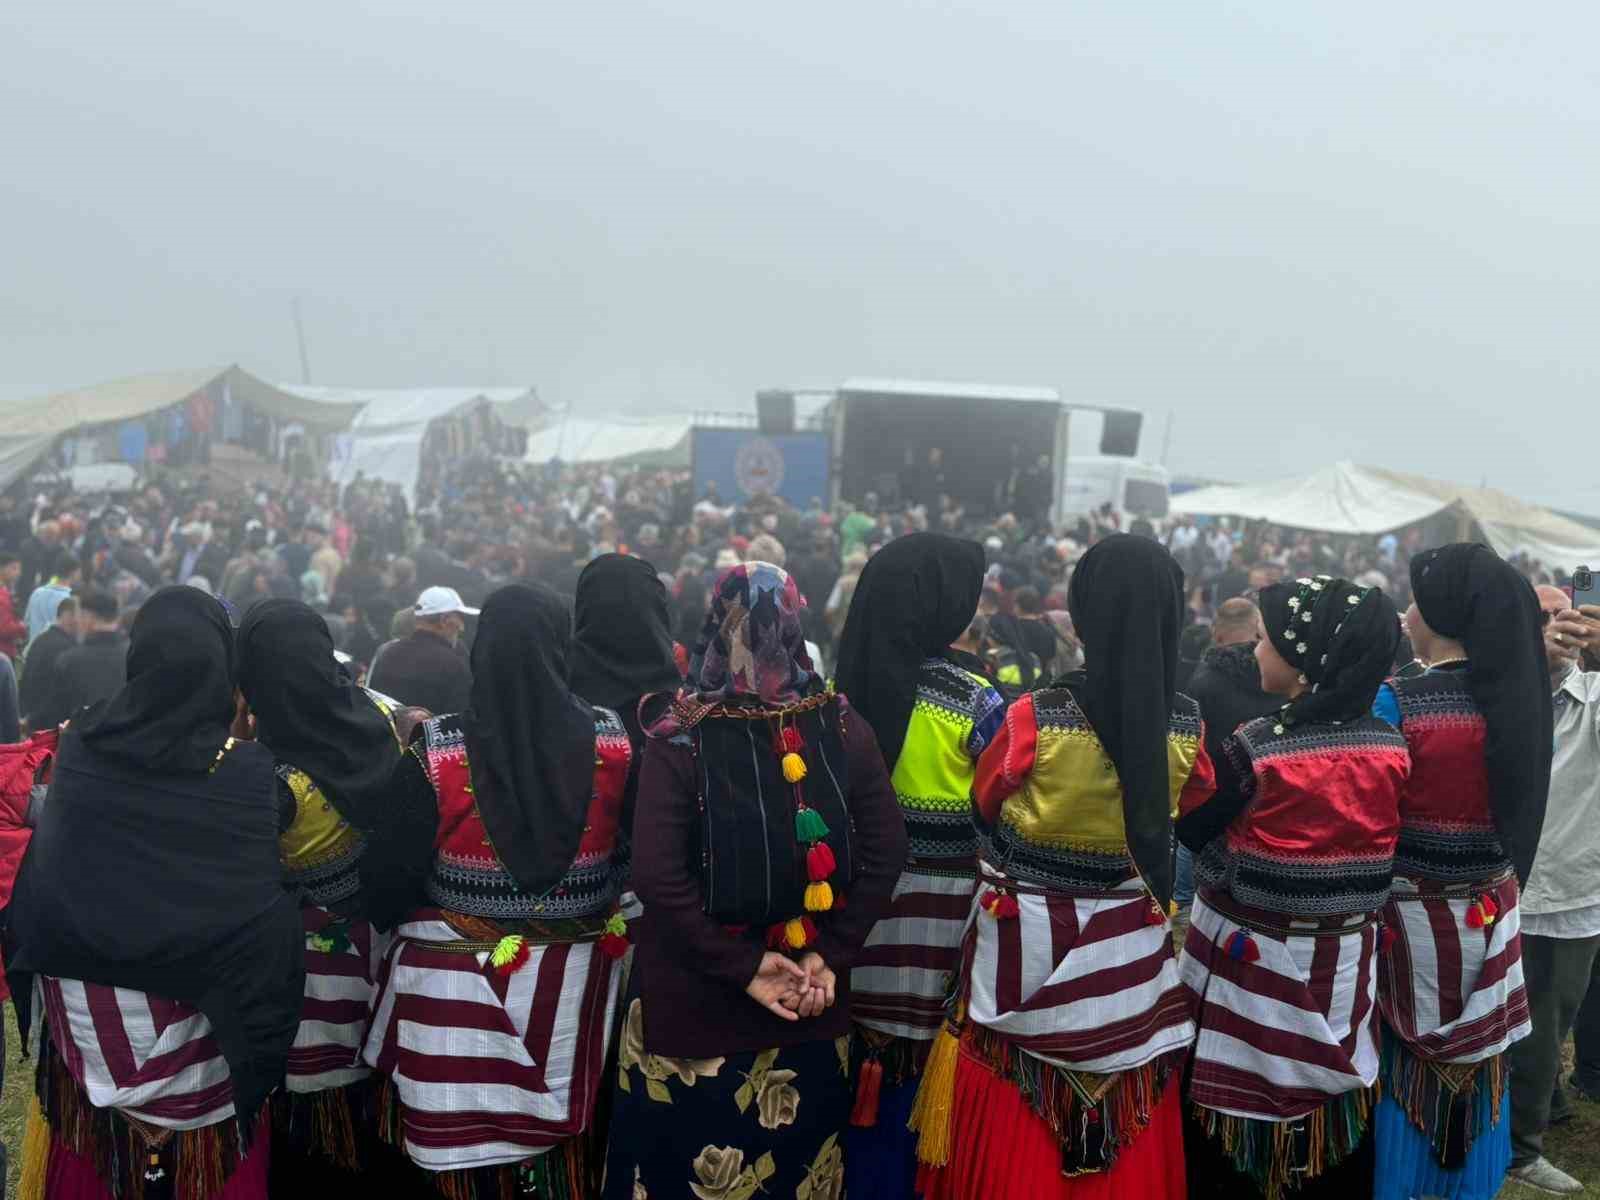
x: 751, y: 648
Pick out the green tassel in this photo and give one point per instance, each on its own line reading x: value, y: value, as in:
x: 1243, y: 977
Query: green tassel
x: 809, y: 826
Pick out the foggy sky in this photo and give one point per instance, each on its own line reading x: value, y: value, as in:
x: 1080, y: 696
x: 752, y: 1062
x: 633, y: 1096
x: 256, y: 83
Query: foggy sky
x: 1310, y: 232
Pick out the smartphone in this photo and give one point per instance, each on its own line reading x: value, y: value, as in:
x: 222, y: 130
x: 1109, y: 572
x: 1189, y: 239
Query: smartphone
x: 1584, y: 590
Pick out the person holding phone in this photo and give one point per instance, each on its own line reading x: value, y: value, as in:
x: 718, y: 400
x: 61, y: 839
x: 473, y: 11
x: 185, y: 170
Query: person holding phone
x: 1561, y: 905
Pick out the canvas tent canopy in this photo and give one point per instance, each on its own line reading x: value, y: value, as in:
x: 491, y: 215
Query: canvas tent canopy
x: 30, y: 429
x: 386, y: 438
x: 662, y: 439
x: 1351, y: 499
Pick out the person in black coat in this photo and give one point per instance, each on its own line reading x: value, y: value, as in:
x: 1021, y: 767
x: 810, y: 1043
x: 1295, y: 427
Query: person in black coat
x: 44, y: 655
x: 427, y: 670
x: 95, y: 670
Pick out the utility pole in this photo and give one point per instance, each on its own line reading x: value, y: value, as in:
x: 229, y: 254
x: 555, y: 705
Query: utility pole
x: 300, y: 336
x: 1166, y: 438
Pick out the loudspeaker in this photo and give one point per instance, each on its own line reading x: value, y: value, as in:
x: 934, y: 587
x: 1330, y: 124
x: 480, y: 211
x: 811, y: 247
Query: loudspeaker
x: 775, y: 411
x: 1121, y: 433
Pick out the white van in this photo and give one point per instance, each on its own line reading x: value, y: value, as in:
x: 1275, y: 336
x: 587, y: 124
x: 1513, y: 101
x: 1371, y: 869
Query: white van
x: 1133, y: 489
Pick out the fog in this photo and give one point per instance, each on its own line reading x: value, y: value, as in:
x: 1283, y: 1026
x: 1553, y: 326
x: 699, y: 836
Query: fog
x: 1308, y: 232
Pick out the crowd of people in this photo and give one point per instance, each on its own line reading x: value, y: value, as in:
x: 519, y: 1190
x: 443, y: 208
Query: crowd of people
x: 570, y: 834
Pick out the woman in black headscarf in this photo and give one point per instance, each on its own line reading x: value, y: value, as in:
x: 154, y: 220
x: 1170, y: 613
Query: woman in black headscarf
x: 1295, y: 858
x: 521, y: 926
x: 622, y: 638
x: 1479, y: 727
x: 154, y: 870
x: 1074, y: 798
x: 933, y: 717
x: 354, y: 857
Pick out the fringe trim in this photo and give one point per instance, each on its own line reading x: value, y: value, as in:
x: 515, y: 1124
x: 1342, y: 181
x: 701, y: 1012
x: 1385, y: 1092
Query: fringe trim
x: 902, y: 1059
x: 1451, y: 1104
x: 130, y: 1156
x: 571, y: 1170
x: 324, y: 1123
x: 1281, y: 1155
x: 1094, y: 1117
x: 35, y: 1154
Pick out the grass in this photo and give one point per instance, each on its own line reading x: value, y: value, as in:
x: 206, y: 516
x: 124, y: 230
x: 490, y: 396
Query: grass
x: 1574, y: 1147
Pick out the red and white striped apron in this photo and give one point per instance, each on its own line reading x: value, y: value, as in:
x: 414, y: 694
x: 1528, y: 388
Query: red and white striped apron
x: 153, y: 1059
x: 340, y: 985
x: 490, y: 1068
x: 1283, y: 1035
x: 904, y: 973
x: 1453, y: 993
x: 1085, y: 981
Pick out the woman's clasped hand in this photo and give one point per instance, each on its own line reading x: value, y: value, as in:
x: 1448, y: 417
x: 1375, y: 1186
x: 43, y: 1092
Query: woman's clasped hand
x: 792, y: 990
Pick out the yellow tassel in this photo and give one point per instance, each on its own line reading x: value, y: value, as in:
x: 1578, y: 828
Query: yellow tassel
x: 819, y: 896
x: 794, y: 768
x: 930, y: 1113
x: 795, y: 934
x: 35, y: 1154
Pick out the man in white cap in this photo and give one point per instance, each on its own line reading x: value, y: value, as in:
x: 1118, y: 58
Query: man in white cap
x: 428, y: 670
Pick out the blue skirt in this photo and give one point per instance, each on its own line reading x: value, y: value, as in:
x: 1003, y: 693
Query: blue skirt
x: 880, y: 1162
x: 1407, y: 1166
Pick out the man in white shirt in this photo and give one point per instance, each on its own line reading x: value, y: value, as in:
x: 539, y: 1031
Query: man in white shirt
x: 1560, y: 909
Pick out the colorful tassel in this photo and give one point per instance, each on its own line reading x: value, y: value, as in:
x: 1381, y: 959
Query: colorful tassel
x: 930, y: 1112
x: 790, y: 740
x: 1491, y: 910
x: 777, y: 936
x: 1242, y: 947
x: 1387, y: 937
x: 808, y: 824
x: 820, y: 862
x: 799, y: 933
x: 35, y: 1153
x: 1474, y: 915
x: 1154, y: 915
x: 509, y: 954
x: 614, y: 941
x: 1006, y: 907
x: 864, y: 1114
x: 819, y: 897
x: 794, y: 768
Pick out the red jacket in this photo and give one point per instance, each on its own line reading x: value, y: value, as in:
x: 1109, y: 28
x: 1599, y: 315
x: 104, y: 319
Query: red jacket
x: 21, y: 766
x: 13, y: 631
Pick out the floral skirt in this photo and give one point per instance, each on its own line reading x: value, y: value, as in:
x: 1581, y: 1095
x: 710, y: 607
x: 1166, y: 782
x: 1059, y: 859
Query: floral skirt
x: 767, y: 1123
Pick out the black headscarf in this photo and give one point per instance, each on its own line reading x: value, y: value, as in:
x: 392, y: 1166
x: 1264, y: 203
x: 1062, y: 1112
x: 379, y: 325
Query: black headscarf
x: 530, y: 741
x: 1126, y: 601
x: 622, y: 635
x: 1339, y: 636
x: 1467, y: 593
x: 309, y: 715
x: 175, y: 711
x: 915, y: 596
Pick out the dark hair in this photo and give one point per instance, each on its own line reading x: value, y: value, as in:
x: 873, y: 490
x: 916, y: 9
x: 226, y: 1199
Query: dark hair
x: 7, y: 557
x: 99, y: 604
x: 68, y: 607
x: 67, y: 562
x: 1027, y: 600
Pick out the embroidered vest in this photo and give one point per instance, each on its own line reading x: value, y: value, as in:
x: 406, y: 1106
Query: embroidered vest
x: 1064, y: 827
x: 468, y: 877
x: 933, y: 777
x: 1447, y: 832
x: 1317, y: 834
x: 321, y: 851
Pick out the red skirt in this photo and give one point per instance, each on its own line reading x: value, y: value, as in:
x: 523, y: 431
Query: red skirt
x: 1002, y: 1150
x: 70, y: 1176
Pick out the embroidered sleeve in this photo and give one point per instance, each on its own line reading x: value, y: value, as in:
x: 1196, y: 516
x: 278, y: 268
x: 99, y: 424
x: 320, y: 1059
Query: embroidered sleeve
x: 989, y: 716
x: 1009, y: 759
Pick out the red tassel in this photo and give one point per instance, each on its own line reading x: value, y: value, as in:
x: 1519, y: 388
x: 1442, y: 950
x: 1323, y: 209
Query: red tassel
x: 613, y: 945
x: 865, y: 1113
x: 775, y: 936
x: 820, y: 862
x: 791, y: 741
x: 1154, y: 916
x: 1241, y: 947
x: 1491, y: 910
x: 1386, y: 939
x: 1006, y: 908
x: 1474, y: 915
x: 811, y: 930
x: 986, y: 901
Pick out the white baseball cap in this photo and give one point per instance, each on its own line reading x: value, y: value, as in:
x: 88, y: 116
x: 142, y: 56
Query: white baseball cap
x: 442, y: 601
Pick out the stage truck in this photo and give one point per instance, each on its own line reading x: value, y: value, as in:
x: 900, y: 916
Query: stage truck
x: 991, y: 447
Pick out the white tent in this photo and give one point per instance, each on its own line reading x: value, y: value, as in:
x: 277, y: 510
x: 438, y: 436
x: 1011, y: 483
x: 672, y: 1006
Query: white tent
x: 385, y: 439
x: 1346, y: 498
x: 611, y: 439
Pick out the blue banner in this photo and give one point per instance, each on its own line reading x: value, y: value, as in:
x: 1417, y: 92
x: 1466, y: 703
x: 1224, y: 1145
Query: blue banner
x: 744, y: 463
